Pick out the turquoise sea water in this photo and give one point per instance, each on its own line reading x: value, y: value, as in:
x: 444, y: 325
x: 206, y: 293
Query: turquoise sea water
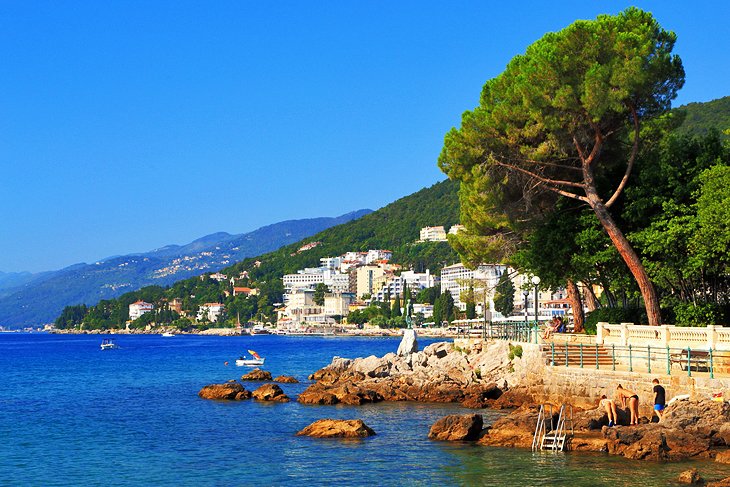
x: 73, y: 415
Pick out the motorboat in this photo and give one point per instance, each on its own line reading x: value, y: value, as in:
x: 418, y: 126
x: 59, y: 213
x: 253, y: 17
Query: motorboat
x: 259, y: 330
x: 108, y: 344
x: 254, y: 361
x: 168, y: 334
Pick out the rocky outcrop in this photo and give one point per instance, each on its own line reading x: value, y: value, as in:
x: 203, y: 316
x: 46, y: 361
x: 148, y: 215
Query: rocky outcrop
x: 439, y: 373
x: 691, y: 476
x: 337, y: 428
x: 286, y: 379
x: 257, y: 375
x: 689, y: 429
x: 466, y: 427
x: 270, y: 392
x: 230, y: 391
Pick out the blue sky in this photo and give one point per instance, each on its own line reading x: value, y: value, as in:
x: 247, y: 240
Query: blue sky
x: 129, y: 125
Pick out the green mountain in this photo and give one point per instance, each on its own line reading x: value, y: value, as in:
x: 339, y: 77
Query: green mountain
x: 700, y: 118
x: 395, y: 227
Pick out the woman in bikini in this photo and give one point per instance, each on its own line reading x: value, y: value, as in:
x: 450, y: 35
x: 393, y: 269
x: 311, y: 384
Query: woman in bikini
x: 630, y: 399
x: 610, y: 408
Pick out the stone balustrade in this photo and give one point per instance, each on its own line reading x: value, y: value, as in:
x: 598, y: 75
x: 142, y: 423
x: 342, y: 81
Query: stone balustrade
x: 702, y: 338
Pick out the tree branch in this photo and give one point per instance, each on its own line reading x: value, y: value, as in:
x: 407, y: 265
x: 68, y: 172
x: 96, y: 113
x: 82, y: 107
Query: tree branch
x: 630, y: 165
x: 549, y: 183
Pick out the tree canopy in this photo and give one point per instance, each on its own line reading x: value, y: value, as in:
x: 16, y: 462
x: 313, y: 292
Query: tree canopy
x: 562, y: 120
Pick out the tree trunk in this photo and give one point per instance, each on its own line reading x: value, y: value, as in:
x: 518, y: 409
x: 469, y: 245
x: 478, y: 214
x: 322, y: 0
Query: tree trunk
x: 590, y: 297
x: 651, y: 302
x: 576, y: 304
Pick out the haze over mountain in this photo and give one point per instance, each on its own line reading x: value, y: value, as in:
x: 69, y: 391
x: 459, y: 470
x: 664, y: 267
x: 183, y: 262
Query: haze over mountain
x: 32, y: 299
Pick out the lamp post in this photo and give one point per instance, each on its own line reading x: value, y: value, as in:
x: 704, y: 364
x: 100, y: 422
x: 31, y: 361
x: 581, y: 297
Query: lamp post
x: 536, y: 282
x: 526, y: 293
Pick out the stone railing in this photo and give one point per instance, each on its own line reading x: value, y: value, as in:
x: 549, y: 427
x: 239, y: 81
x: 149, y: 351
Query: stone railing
x: 710, y: 337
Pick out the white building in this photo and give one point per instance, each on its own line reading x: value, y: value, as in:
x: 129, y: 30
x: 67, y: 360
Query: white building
x: 212, y: 311
x: 338, y: 304
x: 139, y: 308
x: 303, y: 279
x: 378, y: 255
x: 219, y: 277
x: 366, y: 275
x: 433, y: 234
x: 457, y: 278
x: 395, y: 285
x: 331, y: 263
x: 426, y: 309
x: 456, y: 229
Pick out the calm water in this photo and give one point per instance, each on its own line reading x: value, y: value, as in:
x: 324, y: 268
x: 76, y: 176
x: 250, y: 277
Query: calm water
x: 73, y: 415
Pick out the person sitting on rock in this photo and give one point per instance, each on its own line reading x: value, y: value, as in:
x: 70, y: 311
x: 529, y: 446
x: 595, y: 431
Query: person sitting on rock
x: 631, y: 400
x: 610, y: 408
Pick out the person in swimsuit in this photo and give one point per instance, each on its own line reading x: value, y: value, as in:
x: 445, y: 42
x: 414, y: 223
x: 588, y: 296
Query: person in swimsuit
x: 631, y: 400
x: 660, y: 399
x: 610, y: 408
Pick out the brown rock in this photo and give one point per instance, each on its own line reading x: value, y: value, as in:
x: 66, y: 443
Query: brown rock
x: 317, y: 397
x: 230, y: 391
x: 723, y: 457
x: 337, y: 428
x: 257, y: 375
x: 270, y: 392
x: 691, y: 476
x: 456, y: 427
x: 720, y: 483
x: 286, y: 379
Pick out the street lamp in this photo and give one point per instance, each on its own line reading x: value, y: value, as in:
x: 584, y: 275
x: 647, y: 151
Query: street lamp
x: 536, y: 282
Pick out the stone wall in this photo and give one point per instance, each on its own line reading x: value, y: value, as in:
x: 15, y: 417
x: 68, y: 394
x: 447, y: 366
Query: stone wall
x: 583, y: 387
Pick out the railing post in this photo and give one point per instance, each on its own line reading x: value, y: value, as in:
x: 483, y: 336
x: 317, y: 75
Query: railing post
x: 566, y: 354
x: 669, y: 362
x: 648, y: 358
x: 596, y: 356
x: 552, y: 350
x: 599, y: 332
x: 631, y: 360
x: 613, y: 356
x: 580, y: 349
x: 712, y: 368
x: 689, y: 362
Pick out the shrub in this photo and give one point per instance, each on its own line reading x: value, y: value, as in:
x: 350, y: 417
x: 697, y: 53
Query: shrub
x: 688, y: 314
x: 614, y: 315
x: 514, y: 351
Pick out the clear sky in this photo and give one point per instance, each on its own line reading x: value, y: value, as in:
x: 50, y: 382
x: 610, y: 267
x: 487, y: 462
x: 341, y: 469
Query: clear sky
x: 126, y: 126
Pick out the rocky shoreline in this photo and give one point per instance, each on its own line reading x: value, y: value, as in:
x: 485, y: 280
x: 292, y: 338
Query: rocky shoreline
x: 493, y: 378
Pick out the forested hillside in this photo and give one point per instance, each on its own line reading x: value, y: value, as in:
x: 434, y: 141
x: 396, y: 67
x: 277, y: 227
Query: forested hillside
x: 394, y: 227
x: 700, y: 118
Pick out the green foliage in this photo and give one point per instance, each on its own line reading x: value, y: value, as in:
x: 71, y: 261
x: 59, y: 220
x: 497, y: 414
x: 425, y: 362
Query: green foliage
x: 514, y: 351
x: 395, y: 309
x: 428, y: 295
x: 71, y: 317
x: 613, y: 315
x: 319, y: 291
x: 504, y: 299
x: 690, y: 314
x: 443, y: 309
x: 703, y: 118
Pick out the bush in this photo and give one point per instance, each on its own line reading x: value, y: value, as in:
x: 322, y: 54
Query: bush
x: 514, y: 351
x: 688, y: 314
x: 614, y: 315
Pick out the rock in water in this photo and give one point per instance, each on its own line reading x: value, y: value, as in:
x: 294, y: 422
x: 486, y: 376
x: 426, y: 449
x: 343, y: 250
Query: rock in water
x: 270, y: 392
x: 408, y: 344
x: 690, y: 476
x: 286, y: 379
x: 337, y: 428
x: 457, y: 428
x: 232, y: 391
x: 257, y: 374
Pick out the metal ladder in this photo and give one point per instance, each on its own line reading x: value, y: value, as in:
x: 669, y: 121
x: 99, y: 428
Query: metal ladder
x: 552, y: 435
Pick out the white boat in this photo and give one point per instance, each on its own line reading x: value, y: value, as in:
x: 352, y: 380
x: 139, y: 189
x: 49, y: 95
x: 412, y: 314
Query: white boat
x: 250, y: 362
x: 108, y: 344
x: 168, y: 334
x: 259, y: 330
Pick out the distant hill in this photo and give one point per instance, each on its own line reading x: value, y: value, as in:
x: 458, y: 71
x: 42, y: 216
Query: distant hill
x: 700, y: 118
x: 39, y: 298
x: 395, y: 227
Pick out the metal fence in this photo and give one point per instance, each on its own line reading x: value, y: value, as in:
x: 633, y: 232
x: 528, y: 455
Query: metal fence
x: 641, y: 359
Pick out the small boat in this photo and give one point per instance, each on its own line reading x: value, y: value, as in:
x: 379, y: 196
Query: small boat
x: 108, y: 344
x: 250, y: 362
x: 259, y: 330
x: 168, y: 334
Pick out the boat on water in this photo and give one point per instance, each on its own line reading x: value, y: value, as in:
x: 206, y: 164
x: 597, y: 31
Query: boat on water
x: 259, y: 330
x: 108, y: 344
x: 168, y: 334
x: 255, y: 360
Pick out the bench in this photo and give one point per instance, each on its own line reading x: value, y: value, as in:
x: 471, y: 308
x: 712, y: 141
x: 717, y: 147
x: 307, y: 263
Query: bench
x: 696, y: 360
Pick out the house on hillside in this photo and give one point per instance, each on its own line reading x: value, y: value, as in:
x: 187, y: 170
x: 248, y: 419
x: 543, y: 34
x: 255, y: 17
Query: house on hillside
x: 138, y: 308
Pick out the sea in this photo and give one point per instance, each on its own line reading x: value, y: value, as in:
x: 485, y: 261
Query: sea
x: 73, y: 415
